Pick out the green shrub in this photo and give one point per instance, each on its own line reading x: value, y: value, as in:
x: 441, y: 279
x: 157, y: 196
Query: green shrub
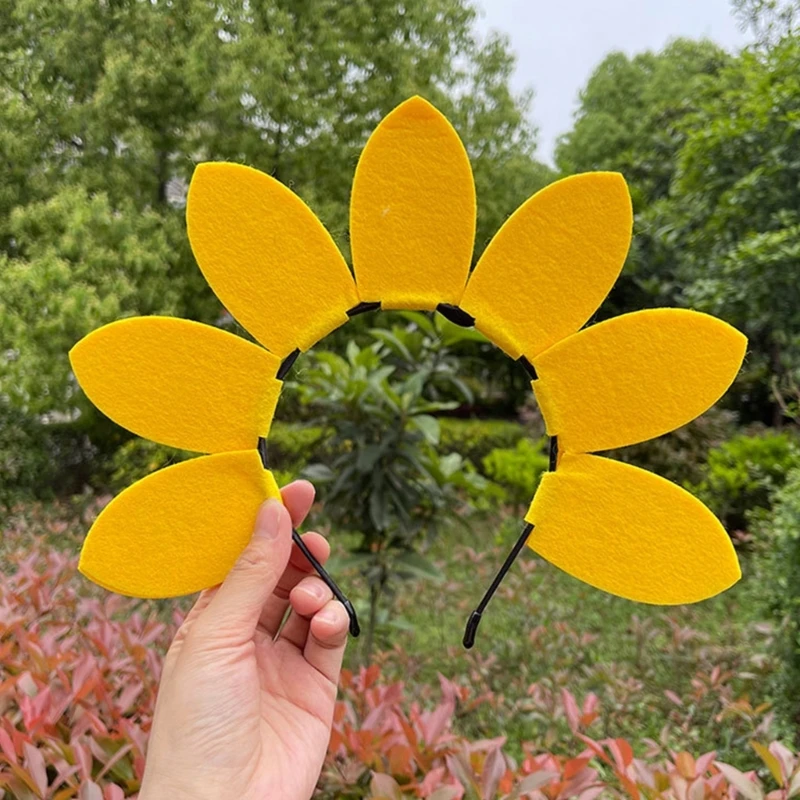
x: 387, y: 482
x: 474, y: 439
x: 137, y: 458
x: 781, y: 534
x: 518, y: 469
x: 482, y: 494
x: 293, y: 445
x: 23, y: 459
x: 741, y: 475
x: 681, y: 456
x: 39, y: 460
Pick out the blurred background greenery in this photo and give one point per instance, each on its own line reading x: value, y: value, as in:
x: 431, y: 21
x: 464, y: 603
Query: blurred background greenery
x: 422, y: 438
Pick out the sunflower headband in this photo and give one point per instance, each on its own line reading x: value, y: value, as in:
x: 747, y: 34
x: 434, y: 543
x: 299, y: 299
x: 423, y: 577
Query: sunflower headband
x: 412, y: 227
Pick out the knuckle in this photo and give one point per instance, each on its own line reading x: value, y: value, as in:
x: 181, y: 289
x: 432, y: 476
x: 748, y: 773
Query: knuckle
x: 316, y: 586
x: 255, y: 557
x: 332, y: 643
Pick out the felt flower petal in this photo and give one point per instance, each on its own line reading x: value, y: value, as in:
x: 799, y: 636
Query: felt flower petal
x: 267, y: 257
x: 630, y: 533
x: 635, y: 377
x: 412, y: 212
x: 179, y: 383
x: 180, y: 529
x: 551, y: 265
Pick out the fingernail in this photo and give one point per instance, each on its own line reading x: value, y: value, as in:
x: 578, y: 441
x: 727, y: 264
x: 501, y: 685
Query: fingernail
x: 316, y: 590
x: 268, y: 523
x: 329, y: 615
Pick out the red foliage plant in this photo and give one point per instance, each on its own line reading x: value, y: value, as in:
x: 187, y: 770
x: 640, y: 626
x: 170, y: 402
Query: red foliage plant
x: 78, y: 679
x: 380, y: 750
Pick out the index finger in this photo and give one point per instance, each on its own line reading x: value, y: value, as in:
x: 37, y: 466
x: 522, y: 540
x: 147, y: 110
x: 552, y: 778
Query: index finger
x: 298, y: 497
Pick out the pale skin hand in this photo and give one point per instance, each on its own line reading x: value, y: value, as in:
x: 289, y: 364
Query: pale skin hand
x: 244, y: 711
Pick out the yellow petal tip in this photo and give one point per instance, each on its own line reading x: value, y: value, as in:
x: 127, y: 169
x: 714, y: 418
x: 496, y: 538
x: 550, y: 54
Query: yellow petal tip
x: 416, y: 107
x: 412, y: 211
x: 561, y: 250
x: 178, y: 530
x: 252, y: 237
x: 631, y: 533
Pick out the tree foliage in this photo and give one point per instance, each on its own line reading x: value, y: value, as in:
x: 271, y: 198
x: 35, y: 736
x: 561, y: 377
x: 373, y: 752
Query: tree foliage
x: 630, y: 113
x: 709, y: 143
x: 630, y: 120
x: 105, y: 108
x: 732, y: 222
x: 769, y: 20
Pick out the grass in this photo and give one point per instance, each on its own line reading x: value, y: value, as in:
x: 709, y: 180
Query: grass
x: 545, y: 631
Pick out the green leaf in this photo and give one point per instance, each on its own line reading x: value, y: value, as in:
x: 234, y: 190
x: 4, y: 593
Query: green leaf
x: 353, y: 352
x: 450, y: 464
x: 369, y: 455
x: 422, y: 321
x: 418, y: 566
x: 428, y: 426
x: 359, y: 561
x: 425, y: 408
x: 392, y: 342
x: 318, y: 473
x: 377, y: 510
x: 454, y: 334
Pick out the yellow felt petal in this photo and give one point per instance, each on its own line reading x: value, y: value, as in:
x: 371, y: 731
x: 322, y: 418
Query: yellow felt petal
x: 267, y: 257
x: 412, y: 212
x: 179, y: 383
x: 553, y: 262
x: 630, y: 533
x: 178, y: 530
x: 635, y: 377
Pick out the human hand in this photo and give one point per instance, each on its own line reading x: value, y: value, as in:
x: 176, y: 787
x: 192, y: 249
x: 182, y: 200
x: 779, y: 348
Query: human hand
x: 240, y: 713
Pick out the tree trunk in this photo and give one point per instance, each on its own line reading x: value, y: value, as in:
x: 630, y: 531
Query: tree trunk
x: 777, y: 371
x: 374, y: 597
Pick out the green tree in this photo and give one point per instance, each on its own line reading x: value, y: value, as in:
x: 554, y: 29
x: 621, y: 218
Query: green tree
x: 779, y: 582
x: 732, y: 222
x: 106, y: 107
x: 85, y: 260
x: 769, y: 20
x: 631, y: 120
x: 630, y: 113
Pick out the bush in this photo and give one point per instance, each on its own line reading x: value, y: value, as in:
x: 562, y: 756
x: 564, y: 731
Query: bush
x: 293, y: 445
x: 741, y: 475
x: 781, y: 533
x: 39, y: 460
x: 24, y: 463
x: 79, y: 676
x: 387, y: 483
x: 137, y: 458
x: 474, y: 439
x: 681, y: 456
x: 519, y: 469
x: 383, y: 746
x: 79, y: 680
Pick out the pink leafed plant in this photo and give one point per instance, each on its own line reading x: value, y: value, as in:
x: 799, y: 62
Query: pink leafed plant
x: 79, y: 672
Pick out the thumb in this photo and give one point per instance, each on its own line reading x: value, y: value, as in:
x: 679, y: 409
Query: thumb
x: 234, y: 611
